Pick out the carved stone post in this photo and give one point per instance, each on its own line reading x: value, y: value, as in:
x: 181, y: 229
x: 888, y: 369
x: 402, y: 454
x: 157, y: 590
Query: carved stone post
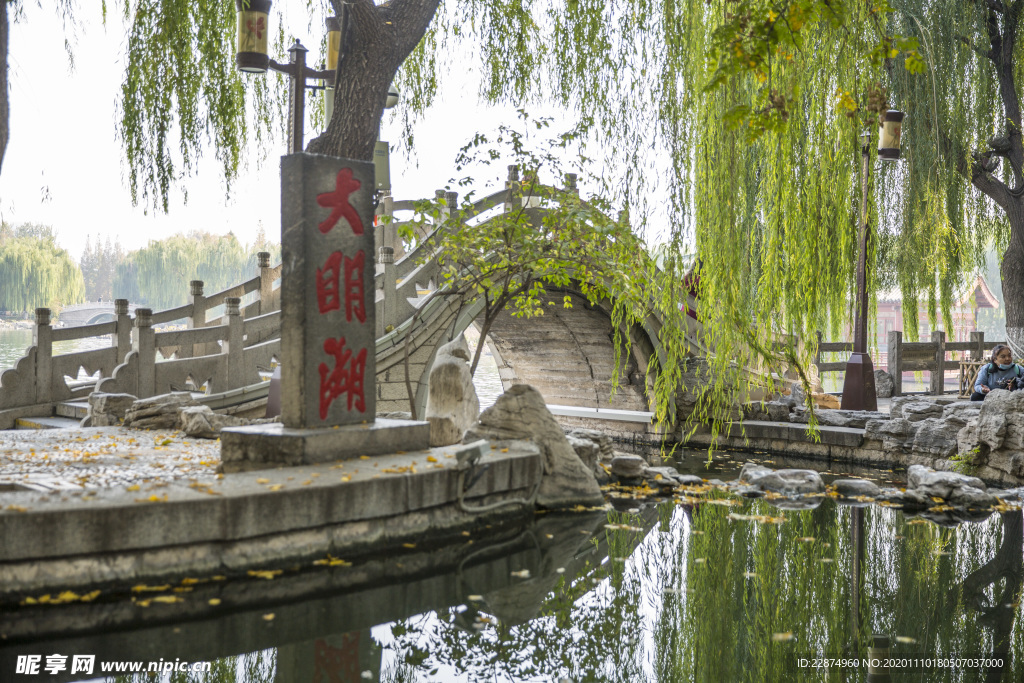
x: 42, y: 339
x: 513, y: 190
x: 145, y: 344
x: 266, y: 283
x: 389, y: 299
x: 233, y: 346
x: 198, y: 318
x: 451, y: 201
x: 123, y: 336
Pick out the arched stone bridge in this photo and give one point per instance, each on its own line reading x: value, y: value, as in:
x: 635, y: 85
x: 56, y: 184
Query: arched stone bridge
x: 567, y: 354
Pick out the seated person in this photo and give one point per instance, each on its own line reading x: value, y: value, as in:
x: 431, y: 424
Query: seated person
x: 996, y: 374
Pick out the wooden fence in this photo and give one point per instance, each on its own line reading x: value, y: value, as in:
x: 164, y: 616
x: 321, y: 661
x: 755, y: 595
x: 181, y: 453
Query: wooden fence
x: 904, y: 356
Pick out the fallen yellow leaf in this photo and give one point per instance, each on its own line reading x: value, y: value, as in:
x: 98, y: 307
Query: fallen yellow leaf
x: 265, y: 573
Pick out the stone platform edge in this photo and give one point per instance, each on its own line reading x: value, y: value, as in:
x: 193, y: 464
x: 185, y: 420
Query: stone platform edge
x: 116, y: 539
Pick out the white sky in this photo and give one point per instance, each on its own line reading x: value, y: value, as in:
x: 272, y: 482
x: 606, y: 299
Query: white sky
x: 63, y: 166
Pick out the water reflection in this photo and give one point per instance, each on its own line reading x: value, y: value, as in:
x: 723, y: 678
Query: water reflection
x: 718, y: 590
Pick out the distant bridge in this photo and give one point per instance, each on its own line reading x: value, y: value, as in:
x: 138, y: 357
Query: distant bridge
x: 90, y: 313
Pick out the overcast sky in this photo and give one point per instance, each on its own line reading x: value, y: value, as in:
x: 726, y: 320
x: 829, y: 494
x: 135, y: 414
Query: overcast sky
x: 63, y: 166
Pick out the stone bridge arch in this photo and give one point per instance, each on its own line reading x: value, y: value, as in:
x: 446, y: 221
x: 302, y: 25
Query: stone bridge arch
x: 568, y: 354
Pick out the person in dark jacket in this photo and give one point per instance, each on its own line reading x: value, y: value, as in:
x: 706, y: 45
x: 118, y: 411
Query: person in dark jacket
x: 996, y: 374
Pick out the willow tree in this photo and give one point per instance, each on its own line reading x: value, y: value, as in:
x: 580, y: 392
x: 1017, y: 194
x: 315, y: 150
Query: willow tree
x: 35, y: 272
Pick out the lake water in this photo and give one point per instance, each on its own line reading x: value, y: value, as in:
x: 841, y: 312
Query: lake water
x: 702, y: 588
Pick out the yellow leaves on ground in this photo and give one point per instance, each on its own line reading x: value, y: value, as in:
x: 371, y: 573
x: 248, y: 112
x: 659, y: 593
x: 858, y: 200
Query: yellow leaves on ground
x: 61, y: 599
x: 262, y: 481
x: 153, y: 499
x: 16, y: 508
x: 133, y: 487
x: 275, y: 487
x: 431, y: 458
x: 265, y: 573
x: 399, y: 470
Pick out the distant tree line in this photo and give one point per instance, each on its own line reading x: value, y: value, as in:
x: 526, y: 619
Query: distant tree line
x: 35, y: 272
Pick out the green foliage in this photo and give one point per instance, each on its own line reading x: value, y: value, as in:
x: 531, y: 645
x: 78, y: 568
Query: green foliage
x: 552, y: 241
x: 35, y: 272
x: 99, y: 265
x: 158, y: 275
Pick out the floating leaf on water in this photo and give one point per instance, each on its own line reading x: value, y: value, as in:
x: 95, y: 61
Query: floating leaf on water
x: 167, y: 599
x: 268, y: 617
x: 213, y: 601
x: 142, y: 588
x: 265, y: 573
x: 522, y: 574
x: 906, y: 639
x: 475, y: 598
x: 782, y: 637
x: 409, y: 545
x: 917, y: 521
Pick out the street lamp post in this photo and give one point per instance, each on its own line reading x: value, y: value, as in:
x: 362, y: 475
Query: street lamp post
x: 859, y: 384
x: 252, y: 57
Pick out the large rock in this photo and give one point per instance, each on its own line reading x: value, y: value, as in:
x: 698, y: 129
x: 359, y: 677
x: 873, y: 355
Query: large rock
x: 786, y: 482
x: 928, y: 482
x: 915, y: 411
x: 202, y: 422
x: 791, y: 482
x: 935, y: 437
x: 839, y: 418
x: 884, y: 384
x: 520, y: 413
x: 626, y: 466
x: 893, y: 433
x: 452, y: 403
x: 107, y: 410
x: 158, y: 412
x: 853, y: 488
x: 605, y: 447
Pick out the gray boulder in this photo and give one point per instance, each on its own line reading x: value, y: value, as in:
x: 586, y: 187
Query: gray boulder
x: 935, y: 437
x: 202, y: 422
x: 971, y: 497
x: 927, y: 482
x: 452, y: 403
x: 751, y: 472
x: 603, y: 442
x: 839, y: 418
x: 853, y: 488
x: 158, y: 412
x: 689, y: 480
x: 791, y: 482
x: 587, y: 450
x: 107, y: 410
x: 520, y: 413
x: 892, y: 433
x: 915, y: 411
x: 884, y: 384
x: 626, y: 466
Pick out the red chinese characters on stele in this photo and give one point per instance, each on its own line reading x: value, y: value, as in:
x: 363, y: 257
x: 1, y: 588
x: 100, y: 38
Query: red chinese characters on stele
x: 341, y: 277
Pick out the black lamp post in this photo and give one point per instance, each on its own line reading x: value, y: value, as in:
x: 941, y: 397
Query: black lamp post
x: 252, y: 57
x: 859, y: 384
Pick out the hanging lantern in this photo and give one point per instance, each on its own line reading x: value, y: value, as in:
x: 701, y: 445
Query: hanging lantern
x: 253, y: 27
x: 890, y: 126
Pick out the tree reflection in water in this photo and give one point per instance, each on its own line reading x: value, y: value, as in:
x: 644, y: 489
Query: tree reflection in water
x: 721, y: 592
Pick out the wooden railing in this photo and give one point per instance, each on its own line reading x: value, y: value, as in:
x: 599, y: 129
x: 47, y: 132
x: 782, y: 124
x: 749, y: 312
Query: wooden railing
x: 901, y: 356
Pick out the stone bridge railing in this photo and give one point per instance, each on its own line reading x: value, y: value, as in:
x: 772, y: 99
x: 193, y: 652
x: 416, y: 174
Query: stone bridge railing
x: 221, y: 354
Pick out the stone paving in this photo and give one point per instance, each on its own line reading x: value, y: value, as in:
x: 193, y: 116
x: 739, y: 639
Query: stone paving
x: 77, y: 461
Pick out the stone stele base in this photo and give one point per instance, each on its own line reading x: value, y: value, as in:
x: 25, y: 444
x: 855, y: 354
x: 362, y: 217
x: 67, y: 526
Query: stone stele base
x: 260, y: 447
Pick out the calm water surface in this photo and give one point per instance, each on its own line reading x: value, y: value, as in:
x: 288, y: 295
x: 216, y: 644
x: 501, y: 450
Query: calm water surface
x: 697, y: 589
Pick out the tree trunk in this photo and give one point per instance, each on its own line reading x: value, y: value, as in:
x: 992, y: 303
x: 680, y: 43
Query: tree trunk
x: 4, y: 94
x: 1012, y: 271
x: 378, y: 40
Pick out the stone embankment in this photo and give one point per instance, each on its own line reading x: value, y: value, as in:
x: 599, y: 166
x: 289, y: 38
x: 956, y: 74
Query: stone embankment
x: 985, y: 438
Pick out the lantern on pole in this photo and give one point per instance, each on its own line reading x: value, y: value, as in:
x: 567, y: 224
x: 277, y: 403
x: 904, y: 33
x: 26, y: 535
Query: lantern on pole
x: 253, y: 27
x: 890, y: 126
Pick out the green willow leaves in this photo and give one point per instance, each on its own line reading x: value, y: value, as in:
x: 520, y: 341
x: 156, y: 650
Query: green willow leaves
x: 35, y: 272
